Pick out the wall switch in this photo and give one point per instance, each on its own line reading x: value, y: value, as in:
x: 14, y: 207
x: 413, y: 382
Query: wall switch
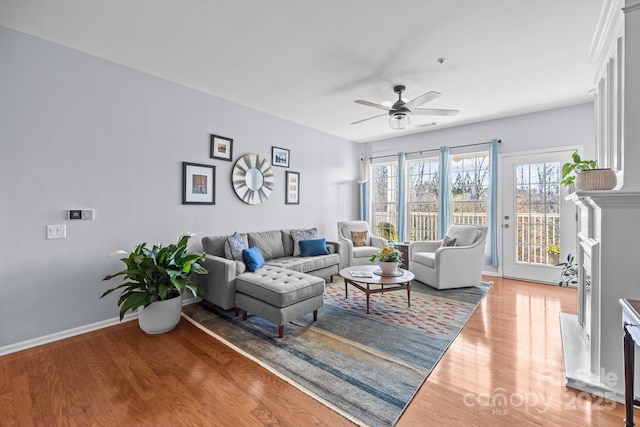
x: 88, y: 214
x: 56, y: 232
x: 75, y: 214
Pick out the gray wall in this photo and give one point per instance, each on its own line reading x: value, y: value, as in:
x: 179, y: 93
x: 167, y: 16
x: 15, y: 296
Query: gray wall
x: 80, y: 132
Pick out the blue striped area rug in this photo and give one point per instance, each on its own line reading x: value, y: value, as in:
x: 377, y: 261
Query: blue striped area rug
x: 366, y: 367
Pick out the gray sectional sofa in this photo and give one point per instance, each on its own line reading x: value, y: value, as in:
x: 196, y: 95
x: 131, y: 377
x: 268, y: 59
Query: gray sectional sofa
x: 277, y: 248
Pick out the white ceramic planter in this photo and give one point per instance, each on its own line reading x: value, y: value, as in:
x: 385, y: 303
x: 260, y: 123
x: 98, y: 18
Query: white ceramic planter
x: 596, y: 179
x: 160, y: 316
x: 388, y: 267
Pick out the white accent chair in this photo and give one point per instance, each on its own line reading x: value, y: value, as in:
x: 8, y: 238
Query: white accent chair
x: 450, y: 266
x: 358, y: 255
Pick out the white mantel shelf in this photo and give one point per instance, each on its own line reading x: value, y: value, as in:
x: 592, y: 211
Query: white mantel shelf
x: 610, y: 198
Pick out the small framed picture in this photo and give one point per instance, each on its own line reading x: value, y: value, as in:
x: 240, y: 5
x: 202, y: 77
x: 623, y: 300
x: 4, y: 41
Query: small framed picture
x: 293, y: 188
x: 198, y: 184
x: 280, y: 157
x: 221, y: 148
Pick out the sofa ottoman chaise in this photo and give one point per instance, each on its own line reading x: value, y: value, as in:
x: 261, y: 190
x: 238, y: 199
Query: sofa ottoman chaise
x: 279, y: 295
x: 282, y: 255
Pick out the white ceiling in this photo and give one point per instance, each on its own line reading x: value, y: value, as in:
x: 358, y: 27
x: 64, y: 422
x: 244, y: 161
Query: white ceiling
x: 308, y: 60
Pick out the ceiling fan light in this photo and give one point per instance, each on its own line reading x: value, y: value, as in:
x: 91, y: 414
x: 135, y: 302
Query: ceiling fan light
x: 399, y: 121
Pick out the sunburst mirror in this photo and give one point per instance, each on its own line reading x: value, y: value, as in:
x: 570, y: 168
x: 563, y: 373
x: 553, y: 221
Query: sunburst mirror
x: 252, y: 179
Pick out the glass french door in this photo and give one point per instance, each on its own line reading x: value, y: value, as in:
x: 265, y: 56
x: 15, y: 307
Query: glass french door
x: 538, y: 225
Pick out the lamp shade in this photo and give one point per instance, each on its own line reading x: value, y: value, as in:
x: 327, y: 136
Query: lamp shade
x: 399, y: 121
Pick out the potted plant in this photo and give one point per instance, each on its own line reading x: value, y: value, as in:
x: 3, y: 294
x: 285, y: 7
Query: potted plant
x: 553, y: 252
x: 388, y: 258
x: 154, y: 281
x: 586, y: 176
x: 569, y: 272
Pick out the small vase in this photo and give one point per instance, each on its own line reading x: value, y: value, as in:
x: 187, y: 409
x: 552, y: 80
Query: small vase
x: 388, y: 267
x: 160, y: 316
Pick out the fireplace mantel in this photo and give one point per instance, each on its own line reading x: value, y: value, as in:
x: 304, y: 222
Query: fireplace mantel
x: 608, y: 259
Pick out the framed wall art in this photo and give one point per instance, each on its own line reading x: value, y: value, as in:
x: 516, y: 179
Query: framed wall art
x: 198, y: 184
x: 293, y: 188
x: 280, y: 157
x: 221, y: 148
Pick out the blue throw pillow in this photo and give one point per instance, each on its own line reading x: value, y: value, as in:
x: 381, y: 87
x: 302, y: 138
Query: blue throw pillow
x: 253, y: 258
x: 313, y: 247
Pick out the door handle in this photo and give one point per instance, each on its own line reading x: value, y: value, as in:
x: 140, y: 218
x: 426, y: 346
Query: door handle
x: 506, y: 226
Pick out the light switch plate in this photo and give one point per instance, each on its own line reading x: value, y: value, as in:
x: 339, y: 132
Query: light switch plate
x: 88, y: 214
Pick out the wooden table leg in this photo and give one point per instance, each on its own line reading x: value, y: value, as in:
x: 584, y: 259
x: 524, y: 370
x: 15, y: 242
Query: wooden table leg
x: 367, y: 292
x: 629, y: 351
x: 409, y: 294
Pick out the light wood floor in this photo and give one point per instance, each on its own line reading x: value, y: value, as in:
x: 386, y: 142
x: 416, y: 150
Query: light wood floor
x: 121, y: 377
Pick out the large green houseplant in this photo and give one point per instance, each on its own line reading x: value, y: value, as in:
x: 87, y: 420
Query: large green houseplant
x: 154, y: 275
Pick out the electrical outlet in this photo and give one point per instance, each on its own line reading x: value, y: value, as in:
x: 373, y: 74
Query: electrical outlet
x: 88, y: 214
x: 75, y: 214
x: 56, y: 232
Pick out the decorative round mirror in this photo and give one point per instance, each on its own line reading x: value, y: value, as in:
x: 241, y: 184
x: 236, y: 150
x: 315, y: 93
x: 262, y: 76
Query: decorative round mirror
x: 252, y: 179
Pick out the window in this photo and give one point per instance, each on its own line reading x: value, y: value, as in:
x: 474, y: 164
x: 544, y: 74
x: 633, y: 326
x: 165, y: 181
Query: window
x: 469, y: 188
x: 385, y: 199
x: 469, y: 178
x: 538, y: 213
x: 422, y: 198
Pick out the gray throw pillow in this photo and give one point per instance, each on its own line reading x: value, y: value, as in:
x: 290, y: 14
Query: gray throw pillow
x: 448, y: 241
x: 233, y: 247
x: 298, y: 235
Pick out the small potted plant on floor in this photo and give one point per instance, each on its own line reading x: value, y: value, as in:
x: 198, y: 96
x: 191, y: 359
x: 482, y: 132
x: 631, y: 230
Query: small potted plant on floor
x: 586, y: 176
x: 154, y: 281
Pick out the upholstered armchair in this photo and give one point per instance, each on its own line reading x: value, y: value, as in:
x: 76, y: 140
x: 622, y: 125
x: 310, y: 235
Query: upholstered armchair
x: 358, y: 243
x: 449, y: 263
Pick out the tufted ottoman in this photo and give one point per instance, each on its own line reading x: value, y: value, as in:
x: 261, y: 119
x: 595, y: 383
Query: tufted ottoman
x: 279, y: 295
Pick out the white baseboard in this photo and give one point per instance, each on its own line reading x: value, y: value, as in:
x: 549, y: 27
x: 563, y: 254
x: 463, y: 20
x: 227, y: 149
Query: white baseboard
x: 35, y: 342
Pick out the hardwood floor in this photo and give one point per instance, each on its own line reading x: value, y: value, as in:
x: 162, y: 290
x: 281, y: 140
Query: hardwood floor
x: 504, y: 369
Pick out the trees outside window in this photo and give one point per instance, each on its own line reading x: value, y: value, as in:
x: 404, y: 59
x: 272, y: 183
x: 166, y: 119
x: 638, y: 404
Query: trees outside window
x: 469, y: 188
x: 422, y: 198
x: 385, y: 199
x: 469, y: 193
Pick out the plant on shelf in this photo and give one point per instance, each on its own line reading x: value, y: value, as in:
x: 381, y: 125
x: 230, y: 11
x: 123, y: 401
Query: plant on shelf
x: 569, y: 170
x: 569, y: 272
x: 155, y: 275
x: 585, y: 175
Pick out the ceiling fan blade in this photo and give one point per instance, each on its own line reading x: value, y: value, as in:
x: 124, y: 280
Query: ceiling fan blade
x: 434, y: 112
x: 364, y: 120
x: 371, y: 104
x: 422, y: 99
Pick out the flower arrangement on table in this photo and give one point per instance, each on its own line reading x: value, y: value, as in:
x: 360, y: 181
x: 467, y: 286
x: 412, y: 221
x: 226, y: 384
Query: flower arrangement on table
x: 387, y: 254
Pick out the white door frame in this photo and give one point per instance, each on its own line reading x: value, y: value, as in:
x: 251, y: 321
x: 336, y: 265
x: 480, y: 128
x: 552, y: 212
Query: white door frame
x: 500, y: 209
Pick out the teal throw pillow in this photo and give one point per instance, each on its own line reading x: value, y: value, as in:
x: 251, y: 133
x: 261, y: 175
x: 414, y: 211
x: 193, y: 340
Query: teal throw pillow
x: 253, y: 258
x: 313, y: 247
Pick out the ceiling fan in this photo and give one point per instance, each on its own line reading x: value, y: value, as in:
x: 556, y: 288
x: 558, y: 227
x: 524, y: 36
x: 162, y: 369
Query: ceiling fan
x: 400, y: 111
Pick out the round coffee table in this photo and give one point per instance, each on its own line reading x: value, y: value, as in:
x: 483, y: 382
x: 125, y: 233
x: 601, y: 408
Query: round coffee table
x: 364, y: 277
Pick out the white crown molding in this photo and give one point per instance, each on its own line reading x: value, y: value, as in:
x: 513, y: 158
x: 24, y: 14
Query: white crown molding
x: 35, y: 342
x: 631, y: 6
x: 609, y: 28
